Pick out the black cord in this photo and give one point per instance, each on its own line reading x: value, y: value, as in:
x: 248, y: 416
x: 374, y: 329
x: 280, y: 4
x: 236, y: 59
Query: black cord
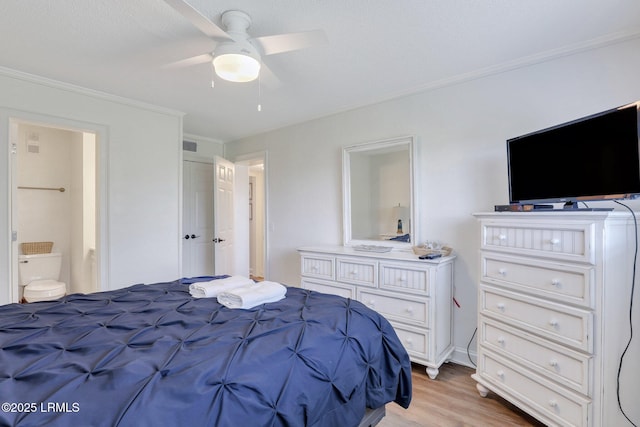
x: 469, y: 345
x: 633, y: 286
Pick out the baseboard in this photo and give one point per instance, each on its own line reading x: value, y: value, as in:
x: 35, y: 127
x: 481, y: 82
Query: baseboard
x: 461, y: 357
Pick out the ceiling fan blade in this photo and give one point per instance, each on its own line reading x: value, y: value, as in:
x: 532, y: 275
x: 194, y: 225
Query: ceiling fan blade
x: 268, y: 78
x: 200, y: 21
x: 194, y: 60
x: 280, y: 43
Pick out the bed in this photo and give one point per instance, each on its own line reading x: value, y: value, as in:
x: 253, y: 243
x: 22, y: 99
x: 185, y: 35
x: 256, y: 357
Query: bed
x: 151, y: 355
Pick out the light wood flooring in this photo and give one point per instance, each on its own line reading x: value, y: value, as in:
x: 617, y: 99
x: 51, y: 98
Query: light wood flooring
x: 451, y: 400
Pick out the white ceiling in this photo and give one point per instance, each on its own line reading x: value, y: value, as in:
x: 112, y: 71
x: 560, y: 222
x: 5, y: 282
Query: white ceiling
x: 376, y: 50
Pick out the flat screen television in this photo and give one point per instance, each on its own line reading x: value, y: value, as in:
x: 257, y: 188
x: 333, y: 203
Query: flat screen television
x: 592, y: 158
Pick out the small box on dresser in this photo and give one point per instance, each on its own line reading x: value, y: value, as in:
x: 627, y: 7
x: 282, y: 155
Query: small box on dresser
x: 553, y: 315
x: 414, y: 295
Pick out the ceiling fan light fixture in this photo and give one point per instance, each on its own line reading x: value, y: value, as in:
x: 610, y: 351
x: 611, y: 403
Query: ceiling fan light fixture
x: 236, y: 62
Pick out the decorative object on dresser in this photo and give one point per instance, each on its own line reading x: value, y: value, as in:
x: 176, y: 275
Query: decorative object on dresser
x: 553, y: 315
x: 414, y: 295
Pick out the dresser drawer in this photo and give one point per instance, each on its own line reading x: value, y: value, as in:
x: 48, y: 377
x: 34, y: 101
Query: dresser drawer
x: 573, y: 241
x: 558, y: 363
x: 396, y: 306
x: 333, y: 288
x: 563, y: 282
x: 405, y: 278
x: 544, y: 396
x: 319, y: 266
x: 563, y: 324
x: 414, y: 340
x: 357, y: 271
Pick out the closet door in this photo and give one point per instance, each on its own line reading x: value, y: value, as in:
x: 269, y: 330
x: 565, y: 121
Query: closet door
x: 197, y: 227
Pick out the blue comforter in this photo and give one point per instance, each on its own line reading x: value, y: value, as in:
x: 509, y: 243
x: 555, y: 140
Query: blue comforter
x: 151, y: 355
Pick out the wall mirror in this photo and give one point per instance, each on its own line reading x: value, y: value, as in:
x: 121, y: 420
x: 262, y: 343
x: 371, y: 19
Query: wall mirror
x: 378, y: 189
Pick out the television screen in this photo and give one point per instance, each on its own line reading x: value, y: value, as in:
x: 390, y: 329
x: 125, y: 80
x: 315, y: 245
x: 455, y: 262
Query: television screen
x: 593, y: 158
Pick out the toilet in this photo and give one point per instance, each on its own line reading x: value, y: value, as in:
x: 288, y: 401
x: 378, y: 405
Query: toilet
x: 38, y: 276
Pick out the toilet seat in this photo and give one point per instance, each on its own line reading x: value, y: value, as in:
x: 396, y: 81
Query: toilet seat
x: 44, y: 290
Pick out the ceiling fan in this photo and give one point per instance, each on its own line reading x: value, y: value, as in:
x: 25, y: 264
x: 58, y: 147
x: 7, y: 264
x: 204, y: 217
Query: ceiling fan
x: 237, y: 56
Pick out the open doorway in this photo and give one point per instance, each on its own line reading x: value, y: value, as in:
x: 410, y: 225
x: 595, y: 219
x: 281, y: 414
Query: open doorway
x: 256, y: 165
x: 53, y: 196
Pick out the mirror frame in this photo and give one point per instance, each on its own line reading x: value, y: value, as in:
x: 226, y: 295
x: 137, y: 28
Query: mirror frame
x: 346, y: 192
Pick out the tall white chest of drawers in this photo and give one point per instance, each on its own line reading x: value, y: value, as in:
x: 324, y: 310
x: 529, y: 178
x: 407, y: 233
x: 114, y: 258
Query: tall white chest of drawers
x: 553, y: 315
x: 414, y: 295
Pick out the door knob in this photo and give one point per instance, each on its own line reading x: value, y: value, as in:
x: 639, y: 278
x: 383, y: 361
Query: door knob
x: 193, y: 236
x: 216, y: 240
x: 186, y: 236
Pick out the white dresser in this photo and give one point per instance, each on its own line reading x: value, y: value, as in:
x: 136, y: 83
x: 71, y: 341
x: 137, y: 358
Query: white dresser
x: 553, y: 315
x: 414, y: 295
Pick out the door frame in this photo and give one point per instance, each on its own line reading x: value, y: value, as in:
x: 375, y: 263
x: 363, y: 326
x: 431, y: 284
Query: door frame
x: 13, y: 119
x: 263, y: 157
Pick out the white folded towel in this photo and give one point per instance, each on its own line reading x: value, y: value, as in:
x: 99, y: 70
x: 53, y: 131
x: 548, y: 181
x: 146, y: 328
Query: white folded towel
x: 214, y: 287
x: 253, y: 295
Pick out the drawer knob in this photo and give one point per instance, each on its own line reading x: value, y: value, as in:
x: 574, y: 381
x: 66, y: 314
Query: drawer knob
x: 501, y: 340
x: 502, y: 237
x: 553, y: 403
x: 555, y: 282
x: 553, y: 323
x: 554, y: 242
x: 502, y: 271
x: 353, y: 272
x: 500, y: 306
x: 409, y: 342
x: 402, y: 279
x: 553, y: 363
x: 314, y: 268
x: 500, y: 374
x: 409, y: 310
x: 372, y: 303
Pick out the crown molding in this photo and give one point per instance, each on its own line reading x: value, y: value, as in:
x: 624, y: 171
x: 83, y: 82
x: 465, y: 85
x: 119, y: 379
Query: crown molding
x: 44, y: 81
x: 198, y: 138
x: 530, y: 60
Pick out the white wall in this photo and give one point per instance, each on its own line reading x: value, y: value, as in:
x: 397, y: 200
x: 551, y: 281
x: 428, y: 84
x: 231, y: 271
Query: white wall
x: 88, y: 273
x: 83, y: 214
x: 241, y: 229
x: 256, y: 225
x: 461, y: 131
x: 140, y: 155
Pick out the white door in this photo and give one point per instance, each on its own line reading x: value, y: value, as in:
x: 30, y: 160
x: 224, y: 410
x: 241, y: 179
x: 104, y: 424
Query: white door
x: 197, y: 227
x: 223, y: 216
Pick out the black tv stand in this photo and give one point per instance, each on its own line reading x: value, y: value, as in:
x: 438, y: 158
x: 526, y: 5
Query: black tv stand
x: 573, y: 207
x: 582, y: 210
x: 568, y: 207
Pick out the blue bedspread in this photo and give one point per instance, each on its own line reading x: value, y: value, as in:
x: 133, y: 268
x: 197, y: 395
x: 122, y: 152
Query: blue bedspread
x: 151, y: 355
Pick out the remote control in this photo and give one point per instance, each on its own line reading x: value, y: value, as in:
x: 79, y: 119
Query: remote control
x: 430, y: 256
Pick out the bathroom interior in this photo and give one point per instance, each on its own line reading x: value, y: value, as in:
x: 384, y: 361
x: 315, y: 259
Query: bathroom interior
x: 55, y: 198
